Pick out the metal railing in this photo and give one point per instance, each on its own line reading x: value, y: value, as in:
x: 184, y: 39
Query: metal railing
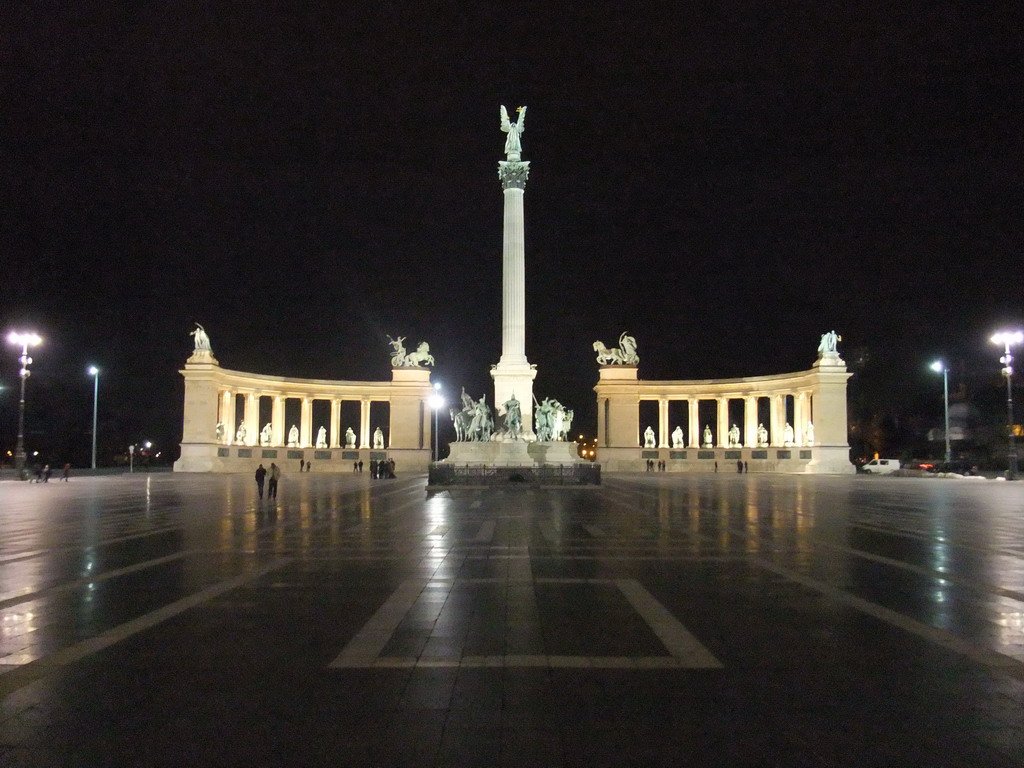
x: 470, y: 474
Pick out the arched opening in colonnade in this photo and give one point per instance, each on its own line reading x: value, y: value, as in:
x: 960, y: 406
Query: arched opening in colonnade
x: 737, y: 412
x: 380, y: 416
x: 707, y: 410
x: 649, y: 418
x: 678, y: 416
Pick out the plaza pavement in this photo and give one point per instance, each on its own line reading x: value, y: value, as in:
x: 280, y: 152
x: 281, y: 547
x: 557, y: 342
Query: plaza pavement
x: 684, y: 620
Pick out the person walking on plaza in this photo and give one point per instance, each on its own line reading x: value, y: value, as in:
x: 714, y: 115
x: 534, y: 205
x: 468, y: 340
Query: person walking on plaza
x: 739, y: 466
x: 275, y: 475
x: 46, y: 473
x: 67, y: 472
x: 302, y: 464
x: 261, y: 475
x: 360, y: 465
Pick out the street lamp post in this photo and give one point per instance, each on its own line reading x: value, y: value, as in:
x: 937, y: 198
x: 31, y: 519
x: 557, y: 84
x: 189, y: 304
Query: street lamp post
x: 940, y: 367
x: 24, y: 340
x: 437, y: 403
x: 1008, y: 338
x: 95, y: 373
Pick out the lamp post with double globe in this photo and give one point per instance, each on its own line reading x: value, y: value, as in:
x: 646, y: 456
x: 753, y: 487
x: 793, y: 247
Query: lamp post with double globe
x: 940, y: 367
x: 1007, y: 339
x: 23, y: 340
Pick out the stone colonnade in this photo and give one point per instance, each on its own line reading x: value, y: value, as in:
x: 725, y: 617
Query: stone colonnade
x: 227, y: 412
x: 812, y: 403
x: 211, y: 396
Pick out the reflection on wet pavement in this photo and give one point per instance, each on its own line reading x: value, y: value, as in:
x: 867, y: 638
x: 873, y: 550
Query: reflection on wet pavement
x: 730, y: 619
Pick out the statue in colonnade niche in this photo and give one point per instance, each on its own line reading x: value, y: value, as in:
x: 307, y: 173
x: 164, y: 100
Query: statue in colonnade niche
x: 707, y: 436
x: 677, y: 437
x: 350, y: 438
x: 321, y: 437
x: 810, y: 433
x: 265, y: 434
x: 293, y: 437
x: 240, y: 434
x: 219, y: 432
x: 787, y: 435
x: 762, y: 436
x: 734, y: 435
x: 624, y: 354
x: 378, y: 438
x: 649, y: 439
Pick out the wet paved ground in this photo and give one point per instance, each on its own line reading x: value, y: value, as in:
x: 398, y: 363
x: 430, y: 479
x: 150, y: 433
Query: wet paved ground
x: 719, y: 620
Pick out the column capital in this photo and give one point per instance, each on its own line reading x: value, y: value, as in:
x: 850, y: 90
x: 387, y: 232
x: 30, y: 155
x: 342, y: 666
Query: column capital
x: 513, y: 174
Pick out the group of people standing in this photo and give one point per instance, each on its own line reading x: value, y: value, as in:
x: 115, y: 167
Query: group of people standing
x: 382, y: 469
x: 261, y: 477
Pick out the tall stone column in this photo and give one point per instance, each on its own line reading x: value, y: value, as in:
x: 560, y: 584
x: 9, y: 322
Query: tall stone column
x: 723, y: 421
x: 335, y: 429
x: 694, y: 404
x: 277, y: 421
x: 799, y: 417
x: 513, y: 375
x: 252, y: 417
x: 364, y: 423
x: 777, y: 408
x: 227, y: 416
x: 306, y: 423
x: 750, y: 421
x: 663, y: 422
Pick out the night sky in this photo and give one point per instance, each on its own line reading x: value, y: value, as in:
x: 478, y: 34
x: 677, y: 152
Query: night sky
x: 725, y: 181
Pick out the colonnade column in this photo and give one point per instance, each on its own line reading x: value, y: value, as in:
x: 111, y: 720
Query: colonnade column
x: 799, y: 418
x: 277, y: 421
x: 227, y: 416
x: 306, y: 423
x: 335, y: 424
x: 364, y: 423
x: 694, y: 404
x: 777, y: 410
x: 249, y: 417
x: 663, y: 422
x: 750, y: 421
x: 723, y: 421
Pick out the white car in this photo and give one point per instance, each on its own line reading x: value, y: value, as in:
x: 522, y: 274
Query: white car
x: 882, y: 466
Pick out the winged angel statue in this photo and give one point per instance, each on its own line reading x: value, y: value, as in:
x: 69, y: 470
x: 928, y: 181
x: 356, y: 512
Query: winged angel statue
x: 514, y: 130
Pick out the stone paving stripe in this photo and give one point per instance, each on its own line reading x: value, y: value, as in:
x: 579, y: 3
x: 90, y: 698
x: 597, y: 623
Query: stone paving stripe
x: 6, y: 601
x: 21, y: 676
x: 548, y: 531
x: 363, y: 649
x: 940, y: 637
x: 594, y: 531
x: 486, y: 532
x: 683, y: 646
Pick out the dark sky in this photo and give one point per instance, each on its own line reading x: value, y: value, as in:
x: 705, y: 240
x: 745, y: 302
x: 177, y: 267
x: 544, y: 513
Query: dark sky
x: 726, y: 181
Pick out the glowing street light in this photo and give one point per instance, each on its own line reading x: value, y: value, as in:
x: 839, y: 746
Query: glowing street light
x: 95, y: 373
x: 437, y: 403
x: 1008, y: 338
x: 940, y: 367
x: 24, y: 340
